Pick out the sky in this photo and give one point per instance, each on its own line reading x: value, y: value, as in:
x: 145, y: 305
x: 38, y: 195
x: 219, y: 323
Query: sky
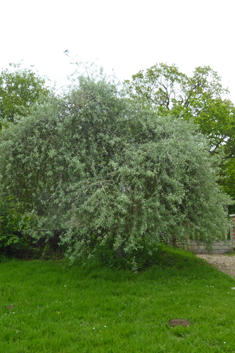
x: 124, y: 35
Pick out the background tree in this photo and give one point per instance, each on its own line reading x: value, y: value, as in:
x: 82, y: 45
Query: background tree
x: 20, y: 89
x: 199, y: 98
x: 115, y: 177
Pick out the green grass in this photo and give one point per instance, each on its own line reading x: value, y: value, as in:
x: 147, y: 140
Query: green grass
x: 51, y: 307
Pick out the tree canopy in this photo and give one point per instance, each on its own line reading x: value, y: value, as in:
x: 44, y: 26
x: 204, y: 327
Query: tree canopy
x: 200, y: 98
x: 111, y: 173
x: 19, y: 90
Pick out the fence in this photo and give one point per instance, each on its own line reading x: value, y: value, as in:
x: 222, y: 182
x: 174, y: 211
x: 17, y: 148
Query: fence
x: 217, y: 247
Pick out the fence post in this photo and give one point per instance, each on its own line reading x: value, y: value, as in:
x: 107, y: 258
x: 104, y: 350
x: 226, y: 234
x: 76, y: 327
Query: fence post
x: 232, y: 233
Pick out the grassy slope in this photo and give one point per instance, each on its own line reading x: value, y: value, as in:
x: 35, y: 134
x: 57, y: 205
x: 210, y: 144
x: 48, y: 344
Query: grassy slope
x: 52, y: 307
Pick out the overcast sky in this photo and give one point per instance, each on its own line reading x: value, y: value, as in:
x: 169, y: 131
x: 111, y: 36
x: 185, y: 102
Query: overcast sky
x: 126, y: 35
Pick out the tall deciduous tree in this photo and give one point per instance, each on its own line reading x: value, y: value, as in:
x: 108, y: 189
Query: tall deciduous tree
x: 199, y: 98
x: 19, y: 90
x: 111, y: 174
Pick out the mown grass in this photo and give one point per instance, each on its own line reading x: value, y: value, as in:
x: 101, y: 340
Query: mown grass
x: 51, y: 307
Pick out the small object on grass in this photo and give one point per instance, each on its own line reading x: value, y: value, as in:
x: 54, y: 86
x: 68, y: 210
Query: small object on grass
x: 179, y: 322
x: 11, y: 307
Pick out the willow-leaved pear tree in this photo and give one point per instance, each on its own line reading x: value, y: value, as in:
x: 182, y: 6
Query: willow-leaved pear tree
x: 111, y: 174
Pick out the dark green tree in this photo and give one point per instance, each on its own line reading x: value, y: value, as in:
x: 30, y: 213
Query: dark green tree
x: 199, y: 98
x: 20, y: 89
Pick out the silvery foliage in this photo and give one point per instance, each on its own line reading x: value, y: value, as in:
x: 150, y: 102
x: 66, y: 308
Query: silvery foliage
x: 103, y: 169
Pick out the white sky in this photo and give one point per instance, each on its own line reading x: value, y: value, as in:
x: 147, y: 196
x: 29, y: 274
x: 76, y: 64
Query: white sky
x: 126, y: 35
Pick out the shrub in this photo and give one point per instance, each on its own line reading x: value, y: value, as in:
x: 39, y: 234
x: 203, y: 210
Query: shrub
x: 11, y: 226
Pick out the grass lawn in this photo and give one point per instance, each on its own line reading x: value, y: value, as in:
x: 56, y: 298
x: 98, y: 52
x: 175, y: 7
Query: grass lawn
x: 49, y: 306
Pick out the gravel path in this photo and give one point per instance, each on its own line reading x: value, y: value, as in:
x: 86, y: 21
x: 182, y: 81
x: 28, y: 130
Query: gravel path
x: 223, y: 263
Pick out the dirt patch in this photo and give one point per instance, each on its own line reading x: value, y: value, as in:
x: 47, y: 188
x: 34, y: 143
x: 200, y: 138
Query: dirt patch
x: 179, y: 322
x: 10, y: 307
x: 225, y: 264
